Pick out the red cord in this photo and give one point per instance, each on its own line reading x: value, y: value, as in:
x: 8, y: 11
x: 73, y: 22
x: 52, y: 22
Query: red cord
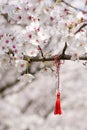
x: 57, y: 109
x: 57, y: 62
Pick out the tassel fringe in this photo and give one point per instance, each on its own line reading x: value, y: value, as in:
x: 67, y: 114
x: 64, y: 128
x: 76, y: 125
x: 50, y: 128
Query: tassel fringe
x: 57, y: 109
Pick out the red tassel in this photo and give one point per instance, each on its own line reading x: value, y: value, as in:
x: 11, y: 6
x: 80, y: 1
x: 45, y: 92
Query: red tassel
x: 57, y: 109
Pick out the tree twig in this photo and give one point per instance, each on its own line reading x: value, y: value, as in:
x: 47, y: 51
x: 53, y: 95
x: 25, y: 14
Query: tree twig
x: 4, y: 88
x: 85, y: 24
x: 39, y: 48
x: 64, y: 49
x: 73, y: 6
x: 5, y: 16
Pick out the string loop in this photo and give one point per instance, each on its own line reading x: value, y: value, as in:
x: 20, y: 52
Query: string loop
x: 58, y: 63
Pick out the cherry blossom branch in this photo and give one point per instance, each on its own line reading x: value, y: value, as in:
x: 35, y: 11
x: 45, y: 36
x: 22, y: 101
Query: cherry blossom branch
x: 84, y: 25
x: 64, y: 49
x: 39, y: 48
x: 73, y: 6
x: 8, y: 86
x: 12, y: 92
x: 6, y: 17
x: 62, y: 56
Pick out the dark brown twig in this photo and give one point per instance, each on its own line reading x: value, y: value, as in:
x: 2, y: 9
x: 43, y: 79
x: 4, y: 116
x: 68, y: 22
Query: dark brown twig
x: 61, y: 57
x: 5, y: 16
x: 85, y: 24
x: 64, y: 49
x: 39, y: 48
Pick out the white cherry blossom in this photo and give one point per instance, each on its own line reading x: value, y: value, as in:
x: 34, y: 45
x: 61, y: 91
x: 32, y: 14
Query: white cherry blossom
x: 21, y: 65
x: 26, y: 78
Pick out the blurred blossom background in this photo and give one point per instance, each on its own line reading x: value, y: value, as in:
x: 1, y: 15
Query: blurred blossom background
x: 30, y: 106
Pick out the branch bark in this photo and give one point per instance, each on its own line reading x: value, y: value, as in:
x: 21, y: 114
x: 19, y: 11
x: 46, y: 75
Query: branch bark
x: 84, y: 25
x: 60, y: 57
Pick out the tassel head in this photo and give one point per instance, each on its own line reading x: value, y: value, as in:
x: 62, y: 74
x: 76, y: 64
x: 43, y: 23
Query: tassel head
x: 57, y: 109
